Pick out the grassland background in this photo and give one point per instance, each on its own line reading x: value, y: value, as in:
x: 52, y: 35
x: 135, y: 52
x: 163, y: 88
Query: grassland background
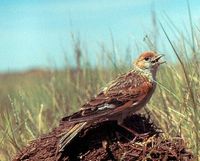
x: 33, y: 102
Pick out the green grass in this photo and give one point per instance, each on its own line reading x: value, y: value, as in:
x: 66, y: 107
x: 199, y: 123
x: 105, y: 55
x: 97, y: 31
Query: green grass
x: 33, y: 103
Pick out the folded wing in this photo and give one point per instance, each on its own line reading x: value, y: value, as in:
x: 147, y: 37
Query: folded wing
x: 126, y: 91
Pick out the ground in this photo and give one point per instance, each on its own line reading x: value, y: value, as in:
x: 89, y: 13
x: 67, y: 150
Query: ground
x: 108, y: 141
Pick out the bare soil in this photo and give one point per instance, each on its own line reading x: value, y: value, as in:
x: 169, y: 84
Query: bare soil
x: 108, y: 141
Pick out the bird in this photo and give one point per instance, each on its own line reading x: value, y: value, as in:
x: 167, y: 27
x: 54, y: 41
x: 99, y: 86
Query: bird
x: 122, y: 97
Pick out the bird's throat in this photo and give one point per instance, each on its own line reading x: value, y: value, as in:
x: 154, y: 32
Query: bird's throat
x: 149, y: 73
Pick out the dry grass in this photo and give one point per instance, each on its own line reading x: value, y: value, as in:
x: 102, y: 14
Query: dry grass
x: 32, y: 103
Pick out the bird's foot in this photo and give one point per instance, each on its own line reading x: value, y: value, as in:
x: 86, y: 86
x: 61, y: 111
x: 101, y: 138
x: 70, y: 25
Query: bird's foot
x: 135, y: 133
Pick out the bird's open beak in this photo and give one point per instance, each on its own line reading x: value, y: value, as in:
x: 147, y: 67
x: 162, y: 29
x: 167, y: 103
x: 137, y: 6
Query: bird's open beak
x: 157, y: 58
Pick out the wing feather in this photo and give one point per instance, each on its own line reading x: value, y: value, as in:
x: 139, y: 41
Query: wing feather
x: 126, y: 90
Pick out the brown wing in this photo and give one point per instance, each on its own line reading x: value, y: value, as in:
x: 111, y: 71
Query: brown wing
x: 126, y: 90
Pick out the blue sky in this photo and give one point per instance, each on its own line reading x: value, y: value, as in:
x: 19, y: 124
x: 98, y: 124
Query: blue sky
x: 36, y: 34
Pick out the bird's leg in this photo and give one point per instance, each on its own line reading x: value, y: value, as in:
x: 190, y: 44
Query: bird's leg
x: 133, y: 132
x: 120, y: 122
x: 129, y: 130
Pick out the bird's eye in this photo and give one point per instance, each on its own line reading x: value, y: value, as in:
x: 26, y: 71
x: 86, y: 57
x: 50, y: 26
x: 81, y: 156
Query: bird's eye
x: 147, y: 58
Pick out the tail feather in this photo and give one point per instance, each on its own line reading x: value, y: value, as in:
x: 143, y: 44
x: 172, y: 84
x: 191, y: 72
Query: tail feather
x: 72, y: 133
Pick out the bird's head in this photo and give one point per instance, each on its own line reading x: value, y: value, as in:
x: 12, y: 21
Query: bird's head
x: 149, y: 61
